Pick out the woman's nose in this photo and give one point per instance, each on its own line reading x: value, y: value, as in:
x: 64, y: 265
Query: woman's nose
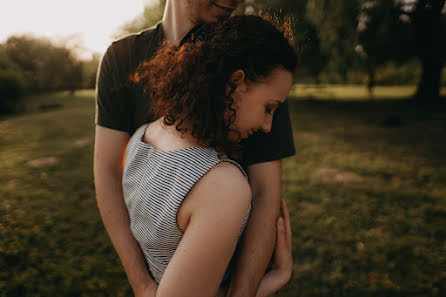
x: 267, y: 123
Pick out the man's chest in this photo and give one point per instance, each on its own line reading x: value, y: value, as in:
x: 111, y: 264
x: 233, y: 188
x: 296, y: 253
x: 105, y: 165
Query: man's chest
x: 139, y: 107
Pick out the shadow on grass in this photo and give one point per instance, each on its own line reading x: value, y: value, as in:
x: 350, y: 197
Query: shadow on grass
x: 411, y: 125
x: 380, y: 234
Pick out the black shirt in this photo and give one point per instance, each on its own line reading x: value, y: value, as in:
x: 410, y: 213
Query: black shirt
x: 121, y: 105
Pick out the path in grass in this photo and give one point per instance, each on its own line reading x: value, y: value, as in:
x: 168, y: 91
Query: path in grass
x: 366, y: 191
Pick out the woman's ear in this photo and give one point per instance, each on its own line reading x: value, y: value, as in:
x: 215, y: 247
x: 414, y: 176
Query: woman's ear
x: 237, y: 78
x: 236, y: 82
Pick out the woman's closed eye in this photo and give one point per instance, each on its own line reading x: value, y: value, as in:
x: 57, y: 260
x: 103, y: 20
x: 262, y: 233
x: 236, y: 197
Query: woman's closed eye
x: 270, y: 109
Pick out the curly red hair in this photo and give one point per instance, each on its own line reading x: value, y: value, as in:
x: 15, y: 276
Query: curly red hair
x: 187, y: 84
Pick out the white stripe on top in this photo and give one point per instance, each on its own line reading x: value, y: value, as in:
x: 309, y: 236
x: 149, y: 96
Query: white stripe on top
x: 154, y: 185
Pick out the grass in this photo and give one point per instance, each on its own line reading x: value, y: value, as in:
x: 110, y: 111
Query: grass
x: 353, y: 92
x: 366, y: 192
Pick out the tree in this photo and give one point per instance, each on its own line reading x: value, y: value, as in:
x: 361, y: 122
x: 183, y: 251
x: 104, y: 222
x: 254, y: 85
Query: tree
x: 336, y: 22
x: 401, y: 30
x: 430, y: 31
x: 383, y: 35
x: 45, y: 66
x: 306, y: 40
x: 12, y: 83
x: 89, y: 71
x: 325, y: 32
x: 151, y: 16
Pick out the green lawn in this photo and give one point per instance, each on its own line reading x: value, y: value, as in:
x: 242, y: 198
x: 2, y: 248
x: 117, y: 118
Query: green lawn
x: 366, y: 191
x: 353, y: 92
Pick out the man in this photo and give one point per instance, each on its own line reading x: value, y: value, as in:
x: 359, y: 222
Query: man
x: 122, y: 108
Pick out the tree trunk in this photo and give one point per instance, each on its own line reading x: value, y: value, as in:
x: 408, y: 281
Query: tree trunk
x: 428, y: 88
x: 431, y: 46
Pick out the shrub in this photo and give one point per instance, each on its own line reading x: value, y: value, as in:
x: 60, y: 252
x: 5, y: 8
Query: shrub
x: 12, y: 88
x: 392, y: 73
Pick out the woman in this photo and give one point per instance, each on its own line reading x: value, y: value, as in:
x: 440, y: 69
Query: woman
x: 188, y: 202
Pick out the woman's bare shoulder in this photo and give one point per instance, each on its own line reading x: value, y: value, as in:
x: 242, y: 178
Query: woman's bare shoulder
x: 224, y: 185
x: 226, y: 177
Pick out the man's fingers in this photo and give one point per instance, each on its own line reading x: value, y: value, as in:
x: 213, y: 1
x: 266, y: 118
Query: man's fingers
x: 282, y: 255
x: 286, y: 221
x: 281, y: 249
x: 284, y: 210
x: 280, y: 223
x: 281, y: 232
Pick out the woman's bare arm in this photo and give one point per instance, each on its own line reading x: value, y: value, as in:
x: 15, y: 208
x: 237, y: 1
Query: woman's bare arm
x: 220, y: 202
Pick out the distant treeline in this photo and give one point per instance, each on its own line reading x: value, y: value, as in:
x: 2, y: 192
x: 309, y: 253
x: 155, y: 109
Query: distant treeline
x: 371, y: 42
x: 394, y: 42
x: 378, y: 42
x: 35, y: 65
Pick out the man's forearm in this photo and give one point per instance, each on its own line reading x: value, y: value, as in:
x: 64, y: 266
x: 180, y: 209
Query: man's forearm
x: 116, y: 221
x: 259, y: 238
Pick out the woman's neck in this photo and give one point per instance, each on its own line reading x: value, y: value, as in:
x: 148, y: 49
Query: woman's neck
x: 167, y: 138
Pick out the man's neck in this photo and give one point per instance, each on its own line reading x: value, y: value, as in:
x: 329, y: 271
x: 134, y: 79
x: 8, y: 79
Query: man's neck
x: 175, y: 21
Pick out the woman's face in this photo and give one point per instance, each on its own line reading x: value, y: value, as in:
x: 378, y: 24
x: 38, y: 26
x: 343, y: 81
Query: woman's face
x: 255, y: 103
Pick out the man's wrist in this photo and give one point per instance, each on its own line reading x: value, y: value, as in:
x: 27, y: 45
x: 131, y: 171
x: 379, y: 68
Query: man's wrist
x: 239, y: 291
x: 145, y: 287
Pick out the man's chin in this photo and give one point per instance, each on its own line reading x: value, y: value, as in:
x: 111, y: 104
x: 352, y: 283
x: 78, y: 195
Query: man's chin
x: 222, y: 17
x: 216, y: 14
x: 215, y: 19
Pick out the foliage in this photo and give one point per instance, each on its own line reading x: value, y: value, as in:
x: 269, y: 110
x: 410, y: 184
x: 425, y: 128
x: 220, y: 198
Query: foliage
x: 305, y: 35
x: 44, y: 65
x: 394, y: 73
x: 336, y: 22
x: 366, y: 198
x: 402, y: 30
x: 383, y: 34
x: 12, y: 88
x: 89, y: 71
x: 12, y: 83
x: 151, y: 16
x: 324, y: 33
x: 329, y: 35
x: 32, y: 64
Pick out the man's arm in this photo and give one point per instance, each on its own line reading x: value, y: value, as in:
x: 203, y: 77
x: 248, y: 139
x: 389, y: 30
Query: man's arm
x: 253, y: 258
x: 109, y: 152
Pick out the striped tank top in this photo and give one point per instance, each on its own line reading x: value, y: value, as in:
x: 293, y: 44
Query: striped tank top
x: 154, y: 184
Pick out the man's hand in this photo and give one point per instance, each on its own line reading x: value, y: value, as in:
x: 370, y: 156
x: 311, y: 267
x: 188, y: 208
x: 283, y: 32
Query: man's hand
x: 282, y: 264
x: 147, y: 291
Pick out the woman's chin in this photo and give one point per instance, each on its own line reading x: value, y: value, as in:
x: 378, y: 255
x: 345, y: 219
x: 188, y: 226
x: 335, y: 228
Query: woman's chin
x: 235, y: 137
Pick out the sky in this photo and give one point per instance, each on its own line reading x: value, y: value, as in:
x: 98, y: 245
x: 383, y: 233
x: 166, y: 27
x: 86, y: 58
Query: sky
x: 90, y: 24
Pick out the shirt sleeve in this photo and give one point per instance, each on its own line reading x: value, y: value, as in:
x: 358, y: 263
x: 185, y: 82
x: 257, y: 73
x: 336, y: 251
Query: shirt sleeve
x: 276, y: 145
x: 112, y: 108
